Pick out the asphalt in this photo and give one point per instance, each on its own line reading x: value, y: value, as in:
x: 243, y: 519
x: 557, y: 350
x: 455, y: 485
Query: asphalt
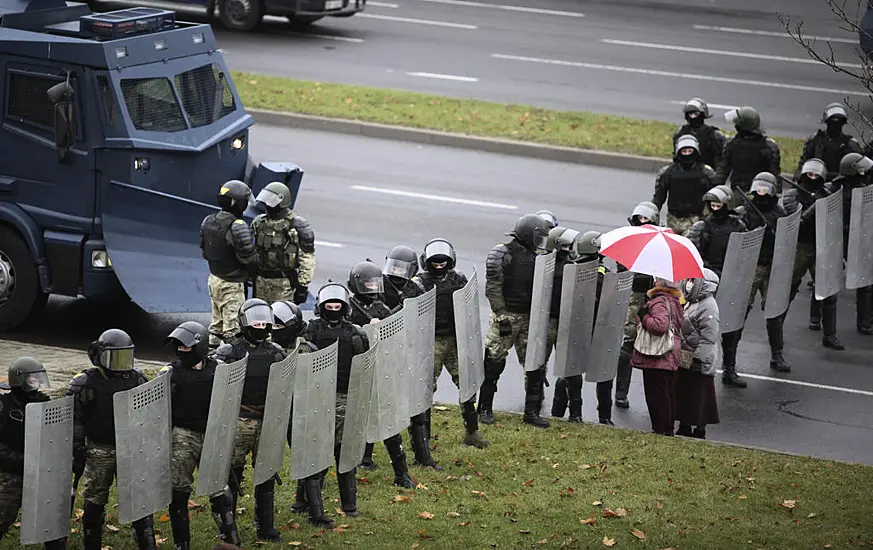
x: 611, y: 59
x: 363, y: 196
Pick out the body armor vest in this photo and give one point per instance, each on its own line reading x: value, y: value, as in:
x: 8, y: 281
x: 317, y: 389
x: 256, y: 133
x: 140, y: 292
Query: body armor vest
x: 192, y: 395
x: 100, y: 424
x: 324, y: 335
x: 719, y: 236
x: 219, y: 253
x: 277, y: 251
x: 750, y: 158
x: 831, y: 151
x: 363, y: 313
x: 518, y: 279
x: 261, y: 358
x: 445, y: 306
x: 12, y: 432
x: 806, y: 234
x: 687, y: 188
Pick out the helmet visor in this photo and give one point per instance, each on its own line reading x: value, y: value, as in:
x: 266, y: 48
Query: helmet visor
x: 258, y: 316
x: 836, y: 110
x: 369, y: 285
x: 333, y: 292
x: 33, y: 381
x: 864, y: 165
x: 269, y: 198
x: 567, y: 238
x: 761, y: 188
x: 438, y: 248
x: 540, y: 240
x: 399, y: 268
x: 117, y: 359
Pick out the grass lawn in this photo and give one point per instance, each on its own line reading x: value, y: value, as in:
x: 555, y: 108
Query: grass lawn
x: 479, y: 118
x: 571, y: 486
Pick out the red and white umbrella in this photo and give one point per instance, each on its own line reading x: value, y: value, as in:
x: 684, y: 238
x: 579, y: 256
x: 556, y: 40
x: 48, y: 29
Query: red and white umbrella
x: 653, y: 250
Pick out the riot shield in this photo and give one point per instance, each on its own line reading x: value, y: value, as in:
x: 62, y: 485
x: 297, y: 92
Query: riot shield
x: 541, y: 302
x: 358, y: 402
x: 782, y: 268
x: 859, y: 260
x: 578, y: 294
x: 48, y: 464
x: 420, y: 322
x: 312, y: 427
x: 609, y: 326
x: 737, y: 276
x: 829, y: 276
x: 468, y: 332
x: 389, y: 414
x: 277, y: 412
x: 143, y: 449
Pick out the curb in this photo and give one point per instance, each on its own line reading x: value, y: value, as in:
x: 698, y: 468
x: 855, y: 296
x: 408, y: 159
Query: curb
x: 588, y: 157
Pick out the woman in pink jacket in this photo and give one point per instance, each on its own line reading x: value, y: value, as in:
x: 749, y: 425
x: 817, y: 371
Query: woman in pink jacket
x: 659, y: 372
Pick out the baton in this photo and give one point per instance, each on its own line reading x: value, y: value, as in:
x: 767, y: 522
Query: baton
x: 751, y: 205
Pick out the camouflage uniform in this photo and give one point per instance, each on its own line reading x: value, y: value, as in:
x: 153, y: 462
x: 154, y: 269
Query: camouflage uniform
x: 445, y: 354
x: 187, y: 447
x: 498, y: 346
x: 680, y: 226
x: 99, y: 472
x: 286, y: 255
x: 227, y: 297
x: 11, y: 486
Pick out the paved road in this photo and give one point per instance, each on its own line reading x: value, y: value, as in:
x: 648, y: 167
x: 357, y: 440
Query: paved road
x: 385, y: 193
x: 632, y: 57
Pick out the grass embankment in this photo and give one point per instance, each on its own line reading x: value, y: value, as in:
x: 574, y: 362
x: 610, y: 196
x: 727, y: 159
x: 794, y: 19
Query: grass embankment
x: 479, y: 118
x: 571, y: 486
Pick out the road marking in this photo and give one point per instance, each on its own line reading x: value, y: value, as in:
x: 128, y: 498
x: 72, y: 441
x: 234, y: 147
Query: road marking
x: 433, y: 197
x: 329, y: 244
x: 679, y: 75
x: 712, y: 105
x: 329, y: 37
x: 445, y: 77
x: 649, y: 45
x: 806, y: 384
x: 418, y: 21
x: 506, y: 8
x: 383, y: 5
x: 782, y: 34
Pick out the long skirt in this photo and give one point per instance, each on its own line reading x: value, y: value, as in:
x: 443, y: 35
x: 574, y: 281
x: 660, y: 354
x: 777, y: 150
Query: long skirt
x: 695, y: 399
x: 659, y: 386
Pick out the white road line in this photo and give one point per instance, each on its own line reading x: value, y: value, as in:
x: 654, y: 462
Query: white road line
x: 328, y: 37
x: 506, y: 8
x: 711, y: 105
x: 433, y: 197
x: 679, y: 75
x: 329, y: 244
x: 782, y: 34
x: 418, y: 21
x: 649, y: 45
x: 805, y: 384
x: 383, y: 5
x: 445, y: 77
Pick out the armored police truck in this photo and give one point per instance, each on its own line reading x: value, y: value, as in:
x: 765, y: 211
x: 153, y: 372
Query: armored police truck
x: 118, y: 130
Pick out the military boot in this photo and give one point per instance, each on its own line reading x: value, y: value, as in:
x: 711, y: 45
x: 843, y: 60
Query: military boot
x: 235, y: 484
x: 684, y: 430
x: 559, y: 400
x: 574, y: 395
x: 92, y: 526
x: 472, y: 437
x: 864, y: 307
x: 144, y: 532
x: 300, y: 503
x: 316, y: 503
x: 223, y: 513
x: 493, y: 369
x: 623, y: 377
x: 533, y: 398
x: 774, y: 335
x: 179, y: 520
x: 265, y: 511
x: 60, y: 544
x: 814, y: 313
x: 367, y: 462
x: 394, y: 445
x: 420, y: 442
x: 699, y: 432
x: 604, y: 402
x: 348, y: 490
x: 729, y: 342
x: 829, y: 321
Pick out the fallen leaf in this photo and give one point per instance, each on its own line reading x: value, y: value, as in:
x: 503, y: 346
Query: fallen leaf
x: 164, y: 518
x: 295, y: 543
x: 479, y: 493
x: 193, y: 505
x: 453, y: 514
x: 464, y: 524
x: 425, y: 515
x: 363, y: 479
x: 586, y: 467
x: 742, y: 497
x: 294, y: 525
x: 788, y: 504
x: 620, y: 512
x: 79, y: 514
x: 441, y: 408
x: 339, y: 530
x: 811, y: 515
x: 158, y: 541
x: 555, y: 465
x: 528, y: 483
x: 414, y: 545
x: 402, y: 498
x: 596, y: 503
x: 421, y: 486
x: 524, y: 531
x: 569, y: 491
x: 638, y: 534
x: 608, y: 541
x: 563, y: 436
x: 112, y: 528
x: 588, y: 521
x: 344, y: 526
x: 543, y: 541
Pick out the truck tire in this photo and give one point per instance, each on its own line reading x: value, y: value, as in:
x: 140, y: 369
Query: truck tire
x: 304, y: 20
x: 20, y: 293
x: 240, y: 15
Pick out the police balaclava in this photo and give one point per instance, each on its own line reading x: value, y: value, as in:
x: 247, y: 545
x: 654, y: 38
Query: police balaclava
x: 189, y: 358
x: 332, y: 317
x: 721, y: 213
x: 812, y: 180
x: 835, y: 126
x: 694, y: 119
x: 287, y: 336
x: 687, y: 160
x: 397, y: 281
x: 439, y: 273
x: 764, y: 203
x: 256, y: 335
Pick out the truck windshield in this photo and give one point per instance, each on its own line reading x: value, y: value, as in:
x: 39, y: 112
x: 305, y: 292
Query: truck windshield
x: 154, y: 103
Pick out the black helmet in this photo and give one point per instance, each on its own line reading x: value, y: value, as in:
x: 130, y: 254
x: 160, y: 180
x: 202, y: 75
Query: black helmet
x: 764, y: 183
x: 401, y: 262
x: 235, y: 196
x: 288, y: 323
x: 532, y: 231
x: 27, y: 374
x: 696, y: 105
x: 190, y: 334
x: 113, y: 351
x: 255, y: 320
x: 438, y: 251
x: 366, y: 278
x: 333, y: 292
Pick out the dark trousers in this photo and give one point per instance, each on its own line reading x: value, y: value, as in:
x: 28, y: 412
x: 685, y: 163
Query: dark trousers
x: 659, y: 386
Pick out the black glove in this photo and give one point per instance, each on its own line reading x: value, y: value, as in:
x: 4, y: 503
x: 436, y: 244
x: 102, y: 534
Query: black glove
x: 505, y: 328
x: 301, y: 293
x: 643, y: 311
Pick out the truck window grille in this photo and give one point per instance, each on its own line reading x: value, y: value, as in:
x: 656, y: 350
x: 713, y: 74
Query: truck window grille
x: 28, y: 101
x: 152, y: 105
x: 199, y: 89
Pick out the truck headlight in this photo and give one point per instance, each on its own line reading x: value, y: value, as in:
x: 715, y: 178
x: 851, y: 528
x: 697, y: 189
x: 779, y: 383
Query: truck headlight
x: 100, y: 259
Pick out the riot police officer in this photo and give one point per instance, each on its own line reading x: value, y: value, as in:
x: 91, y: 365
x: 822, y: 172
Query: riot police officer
x: 26, y: 376
x: 854, y: 173
x: 831, y: 144
x: 332, y: 325
x: 764, y: 210
x: 401, y: 265
x: 255, y: 321
x: 229, y: 248
x: 112, y: 355
x: 439, y: 262
x: 509, y: 273
x: 367, y: 306
x: 286, y: 248
x: 710, y: 138
x: 191, y: 377
x: 682, y: 185
x: 711, y: 236
x: 748, y: 153
x: 809, y: 188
